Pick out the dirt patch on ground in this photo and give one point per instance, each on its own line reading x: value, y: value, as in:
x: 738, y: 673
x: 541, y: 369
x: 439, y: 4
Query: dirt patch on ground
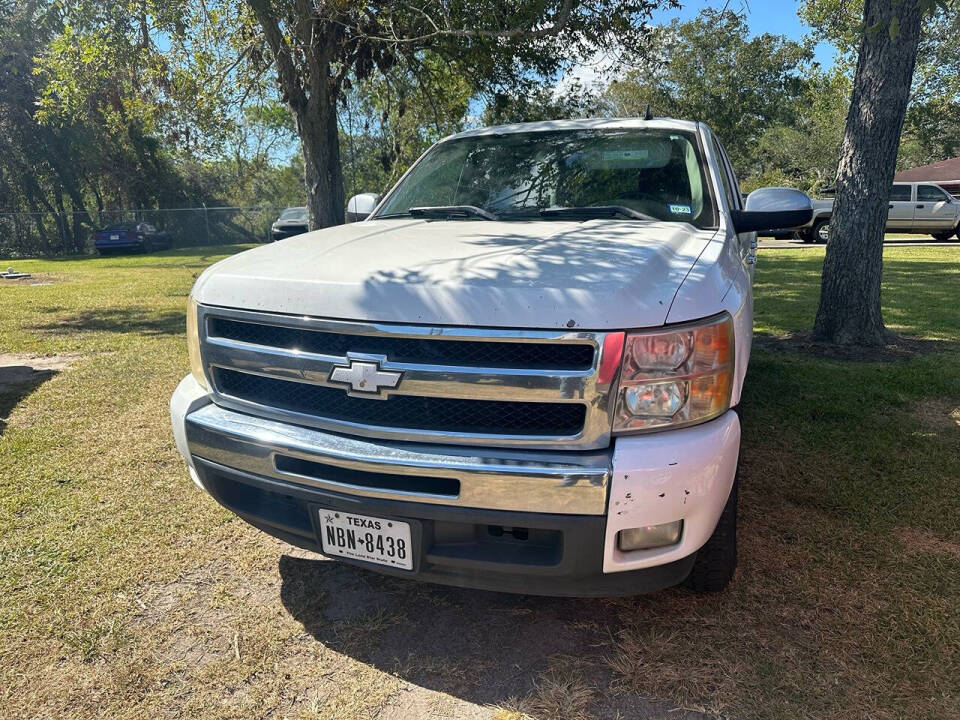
x: 941, y: 414
x: 898, y: 347
x: 921, y: 542
x: 41, y: 279
x: 190, y: 614
x: 20, y: 375
x: 26, y: 364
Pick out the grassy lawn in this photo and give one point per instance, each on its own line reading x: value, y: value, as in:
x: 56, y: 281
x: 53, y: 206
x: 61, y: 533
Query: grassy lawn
x: 127, y: 593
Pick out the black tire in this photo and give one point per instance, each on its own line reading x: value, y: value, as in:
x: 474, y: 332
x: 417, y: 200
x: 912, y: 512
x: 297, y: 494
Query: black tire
x: 820, y: 232
x: 716, y: 561
x: 806, y: 236
x: 942, y: 237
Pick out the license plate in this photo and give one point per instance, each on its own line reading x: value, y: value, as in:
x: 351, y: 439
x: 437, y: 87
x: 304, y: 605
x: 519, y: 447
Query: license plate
x: 114, y: 237
x: 360, y: 537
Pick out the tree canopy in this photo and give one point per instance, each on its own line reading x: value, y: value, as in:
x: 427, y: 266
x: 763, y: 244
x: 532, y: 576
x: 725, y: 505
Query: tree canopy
x: 710, y: 69
x: 173, y: 103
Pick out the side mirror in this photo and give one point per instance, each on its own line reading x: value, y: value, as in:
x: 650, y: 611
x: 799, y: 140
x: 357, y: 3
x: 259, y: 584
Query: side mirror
x: 773, y: 208
x: 360, y: 206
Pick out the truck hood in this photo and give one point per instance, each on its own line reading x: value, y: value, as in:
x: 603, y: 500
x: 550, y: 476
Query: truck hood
x: 598, y: 274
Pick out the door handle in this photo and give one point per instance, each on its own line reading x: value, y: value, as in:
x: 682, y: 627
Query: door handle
x: 919, y: 207
x: 891, y: 206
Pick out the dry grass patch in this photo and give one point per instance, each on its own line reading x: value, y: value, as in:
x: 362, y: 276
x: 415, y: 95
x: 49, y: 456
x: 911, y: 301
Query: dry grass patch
x: 938, y: 413
x: 563, y: 690
x: 921, y: 542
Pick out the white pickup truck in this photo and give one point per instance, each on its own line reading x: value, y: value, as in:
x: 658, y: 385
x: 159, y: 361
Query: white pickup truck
x: 921, y: 207
x: 520, y: 371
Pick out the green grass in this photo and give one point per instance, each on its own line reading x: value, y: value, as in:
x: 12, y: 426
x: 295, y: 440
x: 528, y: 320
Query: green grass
x: 894, y: 471
x: 124, y: 592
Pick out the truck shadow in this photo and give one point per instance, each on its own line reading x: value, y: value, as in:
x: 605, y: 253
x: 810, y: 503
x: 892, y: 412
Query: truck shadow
x: 489, y: 649
x: 483, y: 647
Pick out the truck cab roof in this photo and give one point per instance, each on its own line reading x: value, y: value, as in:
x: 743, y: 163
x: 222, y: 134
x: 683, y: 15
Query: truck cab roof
x: 585, y: 124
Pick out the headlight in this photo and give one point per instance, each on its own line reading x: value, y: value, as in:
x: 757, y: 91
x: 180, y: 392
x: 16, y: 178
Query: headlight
x: 193, y: 344
x: 675, y: 377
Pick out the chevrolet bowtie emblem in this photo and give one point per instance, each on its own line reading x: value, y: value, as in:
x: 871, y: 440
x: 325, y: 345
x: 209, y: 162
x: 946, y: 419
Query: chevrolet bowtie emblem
x: 365, y: 378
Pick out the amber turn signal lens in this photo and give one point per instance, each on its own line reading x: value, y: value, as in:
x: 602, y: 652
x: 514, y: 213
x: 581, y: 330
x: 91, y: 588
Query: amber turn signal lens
x: 675, y: 377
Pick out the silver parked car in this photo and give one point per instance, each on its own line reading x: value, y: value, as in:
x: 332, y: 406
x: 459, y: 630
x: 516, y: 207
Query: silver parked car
x: 920, y: 207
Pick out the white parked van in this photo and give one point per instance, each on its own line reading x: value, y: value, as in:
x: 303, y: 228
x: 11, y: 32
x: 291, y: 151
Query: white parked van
x: 520, y: 372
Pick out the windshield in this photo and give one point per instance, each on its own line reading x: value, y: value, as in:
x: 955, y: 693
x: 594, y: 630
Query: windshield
x: 297, y: 213
x: 659, y: 173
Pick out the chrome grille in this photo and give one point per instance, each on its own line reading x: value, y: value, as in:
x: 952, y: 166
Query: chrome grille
x: 465, y: 386
x: 468, y: 353
x: 437, y: 414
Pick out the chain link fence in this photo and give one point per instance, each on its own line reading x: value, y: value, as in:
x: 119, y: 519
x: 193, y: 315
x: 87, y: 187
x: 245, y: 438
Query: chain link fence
x: 54, y: 233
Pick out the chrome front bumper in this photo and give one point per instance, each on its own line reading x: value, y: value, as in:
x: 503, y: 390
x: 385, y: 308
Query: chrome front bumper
x: 258, y: 467
x: 525, y: 481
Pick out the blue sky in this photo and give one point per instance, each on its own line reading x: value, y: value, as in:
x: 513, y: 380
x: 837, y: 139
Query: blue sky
x: 763, y: 16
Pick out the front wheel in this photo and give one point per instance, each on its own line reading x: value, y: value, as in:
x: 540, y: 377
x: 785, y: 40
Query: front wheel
x: 944, y: 236
x: 821, y: 231
x: 716, y: 561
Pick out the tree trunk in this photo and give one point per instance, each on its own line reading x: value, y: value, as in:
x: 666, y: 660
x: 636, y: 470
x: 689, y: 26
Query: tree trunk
x: 849, y: 311
x: 312, y: 98
x: 322, y: 167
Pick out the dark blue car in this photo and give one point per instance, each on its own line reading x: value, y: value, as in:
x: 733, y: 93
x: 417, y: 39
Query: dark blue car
x: 134, y: 236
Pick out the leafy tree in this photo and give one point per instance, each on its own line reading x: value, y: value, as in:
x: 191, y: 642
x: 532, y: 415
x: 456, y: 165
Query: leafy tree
x: 110, y: 106
x: 544, y: 103
x: 931, y: 132
x: 388, y: 119
x: 803, y: 153
x: 931, y: 129
x: 37, y: 163
x: 708, y: 69
x: 320, y: 49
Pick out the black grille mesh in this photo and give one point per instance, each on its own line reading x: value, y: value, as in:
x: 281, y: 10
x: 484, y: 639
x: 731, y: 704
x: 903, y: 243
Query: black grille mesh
x: 404, y: 411
x: 468, y: 353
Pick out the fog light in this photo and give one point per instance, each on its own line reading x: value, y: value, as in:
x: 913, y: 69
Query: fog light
x: 651, y: 536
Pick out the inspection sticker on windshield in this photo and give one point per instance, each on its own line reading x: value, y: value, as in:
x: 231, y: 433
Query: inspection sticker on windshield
x: 681, y: 209
x: 376, y: 540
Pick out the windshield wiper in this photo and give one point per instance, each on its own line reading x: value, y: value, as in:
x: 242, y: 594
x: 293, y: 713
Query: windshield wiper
x: 595, y: 211
x: 452, y: 211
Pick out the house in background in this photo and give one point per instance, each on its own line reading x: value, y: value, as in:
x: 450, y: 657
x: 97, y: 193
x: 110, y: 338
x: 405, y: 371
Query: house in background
x: 945, y: 173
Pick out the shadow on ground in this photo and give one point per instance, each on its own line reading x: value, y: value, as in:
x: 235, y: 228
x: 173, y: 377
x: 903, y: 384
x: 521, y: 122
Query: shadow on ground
x: 898, y: 347
x: 487, y: 648
x: 17, y: 381
x: 140, y: 320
